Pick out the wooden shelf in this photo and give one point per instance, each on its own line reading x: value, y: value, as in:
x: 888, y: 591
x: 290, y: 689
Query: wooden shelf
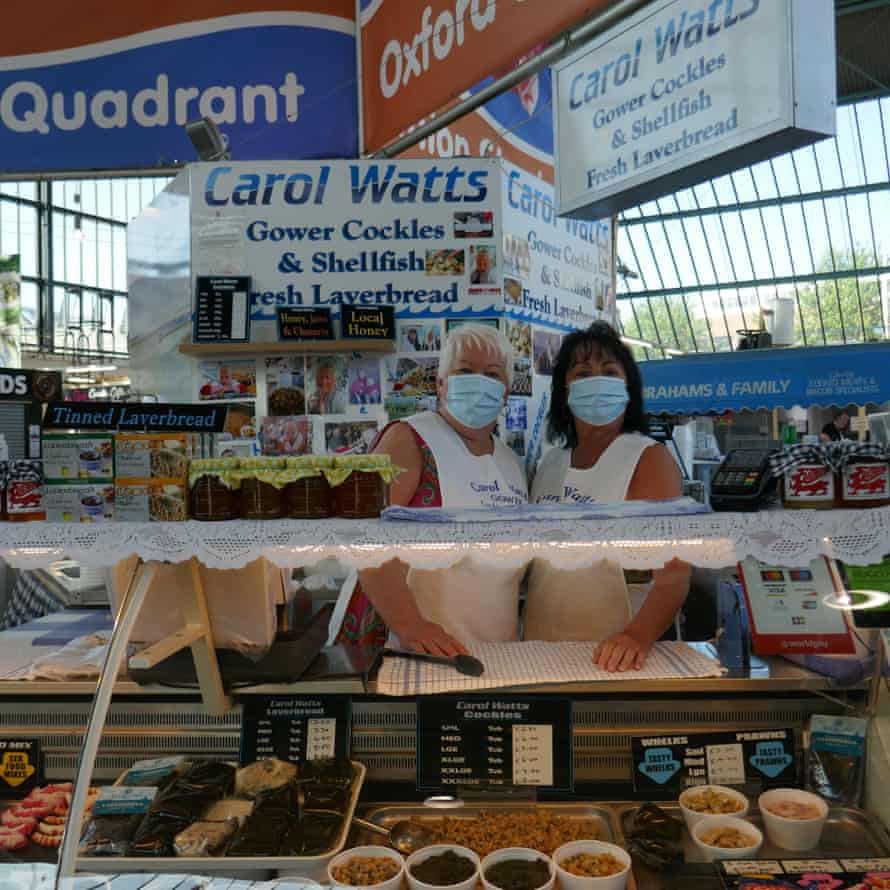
x: 310, y: 347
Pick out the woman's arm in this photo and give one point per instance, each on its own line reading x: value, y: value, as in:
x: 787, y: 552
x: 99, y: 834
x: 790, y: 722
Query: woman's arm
x: 657, y: 477
x: 387, y: 587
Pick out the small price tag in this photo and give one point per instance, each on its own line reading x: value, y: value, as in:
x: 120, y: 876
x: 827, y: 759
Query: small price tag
x: 726, y: 764
x: 293, y: 728
x: 532, y: 754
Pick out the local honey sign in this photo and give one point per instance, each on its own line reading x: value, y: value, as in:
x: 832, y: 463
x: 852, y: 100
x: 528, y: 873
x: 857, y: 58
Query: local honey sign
x: 362, y: 323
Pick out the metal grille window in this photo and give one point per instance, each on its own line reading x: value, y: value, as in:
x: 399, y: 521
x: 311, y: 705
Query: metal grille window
x: 71, y: 239
x: 809, y: 226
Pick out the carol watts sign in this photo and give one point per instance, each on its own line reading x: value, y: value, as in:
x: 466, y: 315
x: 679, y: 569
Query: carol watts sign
x: 686, y: 90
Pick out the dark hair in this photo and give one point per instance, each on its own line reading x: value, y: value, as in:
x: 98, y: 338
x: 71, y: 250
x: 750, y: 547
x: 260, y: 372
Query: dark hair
x: 598, y: 338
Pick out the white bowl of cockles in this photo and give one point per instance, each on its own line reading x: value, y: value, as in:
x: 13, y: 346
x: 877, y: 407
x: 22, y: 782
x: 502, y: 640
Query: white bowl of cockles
x: 701, y: 801
x: 591, y: 865
x: 726, y: 837
x: 793, y: 819
x: 379, y: 867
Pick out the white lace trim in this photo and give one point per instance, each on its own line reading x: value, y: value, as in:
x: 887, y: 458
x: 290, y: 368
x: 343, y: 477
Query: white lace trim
x: 715, y: 540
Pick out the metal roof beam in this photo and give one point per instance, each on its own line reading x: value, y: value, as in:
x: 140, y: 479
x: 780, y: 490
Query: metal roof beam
x: 809, y: 278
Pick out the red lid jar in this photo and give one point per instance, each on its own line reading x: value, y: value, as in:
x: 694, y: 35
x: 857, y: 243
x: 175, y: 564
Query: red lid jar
x: 809, y: 486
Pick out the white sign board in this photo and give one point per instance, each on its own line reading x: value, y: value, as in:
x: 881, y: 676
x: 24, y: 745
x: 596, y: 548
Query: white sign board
x: 687, y: 90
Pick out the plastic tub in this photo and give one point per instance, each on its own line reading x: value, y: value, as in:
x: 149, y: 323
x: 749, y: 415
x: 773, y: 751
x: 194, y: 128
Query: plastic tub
x: 569, y: 881
x: 693, y: 817
x: 713, y: 854
x: 419, y: 856
x: 787, y: 833
x: 516, y: 853
x: 393, y: 883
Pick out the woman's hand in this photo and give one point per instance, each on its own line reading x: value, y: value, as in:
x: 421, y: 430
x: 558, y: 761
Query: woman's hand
x: 427, y: 636
x: 621, y: 652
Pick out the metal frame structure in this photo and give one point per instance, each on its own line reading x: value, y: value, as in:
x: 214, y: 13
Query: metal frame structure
x: 688, y: 258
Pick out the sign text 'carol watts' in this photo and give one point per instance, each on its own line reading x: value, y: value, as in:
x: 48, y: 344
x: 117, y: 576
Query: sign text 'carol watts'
x: 369, y: 183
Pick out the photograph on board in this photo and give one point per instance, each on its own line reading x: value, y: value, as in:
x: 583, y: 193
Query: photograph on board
x: 474, y: 224
x: 545, y: 348
x: 327, y: 383
x: 287, y: 435
x: 519, y: 333
x: 522, y: 377
x: 420, y: 336
x: 411, y: 376
x: 445, y: 262
x: 483, y: 264
x: 517, y: 414
x: 286, y: 385
x: 227, y: 380
x: 350, y: 437
x: 364, y: 381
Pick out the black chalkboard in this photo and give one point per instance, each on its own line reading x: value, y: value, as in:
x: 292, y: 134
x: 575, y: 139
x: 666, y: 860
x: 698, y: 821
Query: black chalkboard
x: 222, y: 309
x: 295, y: 728
x: 368, y: 323
x: 305, y: 324
x: 494, y: 740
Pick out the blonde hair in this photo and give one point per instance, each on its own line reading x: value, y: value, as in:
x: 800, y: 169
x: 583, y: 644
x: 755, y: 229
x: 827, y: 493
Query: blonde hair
x: 478, y: 336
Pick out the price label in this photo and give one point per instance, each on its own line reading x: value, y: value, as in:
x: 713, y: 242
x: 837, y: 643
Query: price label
x: 726, y: 764
x: 20, y: 766
x: 321, y: 737
x: 221, y: 309
x: 470, y: 741
x: 295, y: 728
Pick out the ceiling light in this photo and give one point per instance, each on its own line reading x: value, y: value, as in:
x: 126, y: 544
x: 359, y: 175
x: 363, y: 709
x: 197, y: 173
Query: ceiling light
x: 90, y: 369
x: 633, y: 341
x: 80, y: 380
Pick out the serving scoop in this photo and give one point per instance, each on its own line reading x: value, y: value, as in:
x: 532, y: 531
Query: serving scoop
x: 405, y: 836
x: 463, y: 664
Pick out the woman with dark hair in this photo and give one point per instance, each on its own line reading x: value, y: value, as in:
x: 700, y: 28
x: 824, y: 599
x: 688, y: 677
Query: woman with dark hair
x: 604, y: 455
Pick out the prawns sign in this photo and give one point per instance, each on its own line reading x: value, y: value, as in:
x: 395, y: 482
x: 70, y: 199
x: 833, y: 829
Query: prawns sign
x: 417, y: 57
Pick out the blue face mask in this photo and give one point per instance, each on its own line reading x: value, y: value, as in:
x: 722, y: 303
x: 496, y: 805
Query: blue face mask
x: 598, y: 400
x: 475, y: 400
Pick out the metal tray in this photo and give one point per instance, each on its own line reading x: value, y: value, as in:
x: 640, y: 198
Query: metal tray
x: 306, y: 866
x: 389, y: 814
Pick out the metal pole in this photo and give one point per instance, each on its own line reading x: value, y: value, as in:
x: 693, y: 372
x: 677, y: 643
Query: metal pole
x: 114, y: 658
x: 556, y: 51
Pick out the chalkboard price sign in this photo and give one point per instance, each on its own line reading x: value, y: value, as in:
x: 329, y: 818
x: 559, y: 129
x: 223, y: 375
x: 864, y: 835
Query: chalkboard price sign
x: 295, y: 729
x: 465, y: 741
x: 222, y: 309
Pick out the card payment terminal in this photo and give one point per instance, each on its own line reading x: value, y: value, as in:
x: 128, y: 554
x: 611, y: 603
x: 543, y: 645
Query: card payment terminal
x: 743, y: 481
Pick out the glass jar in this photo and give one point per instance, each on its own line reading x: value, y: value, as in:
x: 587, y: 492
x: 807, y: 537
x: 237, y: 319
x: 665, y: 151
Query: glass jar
x: 308, y: 494
x: 865, y: 482
x: 260, y: 495
x: 24, y: 491
x: 809, y: 486
x: 361, y: 485
x: 213, y: 489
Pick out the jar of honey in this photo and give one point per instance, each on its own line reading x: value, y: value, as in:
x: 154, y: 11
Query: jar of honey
x: 865, y: 482
x: 361, y: 484
x: 213, y: 485
x: 308, y: 494
x: 809, y: 486
x: 260, y: 495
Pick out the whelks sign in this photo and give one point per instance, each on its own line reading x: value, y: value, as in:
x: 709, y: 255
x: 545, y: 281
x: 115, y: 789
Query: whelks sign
x: 97, y: 85
x: 136, y: 417
x: 686, y: 90
x: 416, y: 57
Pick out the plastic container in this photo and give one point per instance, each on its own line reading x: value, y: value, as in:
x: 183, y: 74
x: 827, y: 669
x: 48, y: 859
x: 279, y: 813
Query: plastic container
x: 516, y: 853
x: 792, y: 834
x: 865, y: 482
x: 419, y: 856
x: 569, y: 881
x: 693, y: 817
x: 393, y: 883
x: 713, y: 854
x: 213, y: 486
x: 809, y: 486
x: 24, y: 491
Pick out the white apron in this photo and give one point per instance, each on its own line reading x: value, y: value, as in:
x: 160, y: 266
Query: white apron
x: 590, y: 603
x: 472, y: 601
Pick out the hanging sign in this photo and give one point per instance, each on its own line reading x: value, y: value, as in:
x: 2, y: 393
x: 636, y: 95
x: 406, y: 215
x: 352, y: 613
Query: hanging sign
x: 504, y: 741
x: 671, y: 763
x: 295, y: 729
x: 222, y: 310
x: 685, y: 91
x: 21, y: 768
x: 136, y: 417
x: 19, y: 385
x: 305, y: 324
x: 358, y: 323
x: 799, y: 611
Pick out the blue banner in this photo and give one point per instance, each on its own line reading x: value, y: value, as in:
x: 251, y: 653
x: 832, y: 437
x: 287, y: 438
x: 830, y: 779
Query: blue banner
x: 279, y: 85
x: 768, y: 378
